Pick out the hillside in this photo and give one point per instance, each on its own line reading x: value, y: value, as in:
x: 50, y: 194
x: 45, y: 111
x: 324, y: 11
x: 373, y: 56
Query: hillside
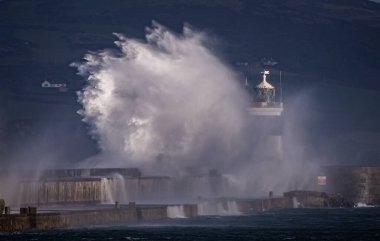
x: 330, y: 46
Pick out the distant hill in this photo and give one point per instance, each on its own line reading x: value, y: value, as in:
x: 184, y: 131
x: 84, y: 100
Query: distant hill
x: 331, y: 45
x: 334, y: 39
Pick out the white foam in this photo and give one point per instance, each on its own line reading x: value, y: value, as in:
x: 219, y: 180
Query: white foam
x: 295, y: 202
x: 363, y: 205
x: 177, y: 211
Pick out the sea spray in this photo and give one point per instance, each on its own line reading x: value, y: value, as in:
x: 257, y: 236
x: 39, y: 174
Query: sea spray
x: 170, y: 95
x: 170, y: 106
x: 177, y: 211
x: 120, y: 188
x: 232, y: 208
x: 221, y: 208
x: 107, y: 191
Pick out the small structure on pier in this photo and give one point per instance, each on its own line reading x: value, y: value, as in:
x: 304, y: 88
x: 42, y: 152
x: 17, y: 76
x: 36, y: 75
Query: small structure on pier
x: 266, y: 113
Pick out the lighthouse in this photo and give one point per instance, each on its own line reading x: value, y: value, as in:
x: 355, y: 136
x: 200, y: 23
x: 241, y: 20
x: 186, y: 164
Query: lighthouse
x: 266, y: 113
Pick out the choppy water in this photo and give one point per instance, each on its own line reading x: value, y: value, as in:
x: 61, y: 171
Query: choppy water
x: 293, y: 224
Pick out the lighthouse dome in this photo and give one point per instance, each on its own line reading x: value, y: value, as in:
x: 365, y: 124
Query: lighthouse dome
x: 264, y: 92
x: 264, y: 85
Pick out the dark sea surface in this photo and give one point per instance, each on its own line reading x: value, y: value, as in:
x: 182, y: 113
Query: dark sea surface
x: 291, y: 224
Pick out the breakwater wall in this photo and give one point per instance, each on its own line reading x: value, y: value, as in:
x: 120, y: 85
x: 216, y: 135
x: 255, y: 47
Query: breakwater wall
x: 32, y: 220
x: 259, y: 205
x: 295, y: 199
x: 109, y: 189
x: 29, y: 218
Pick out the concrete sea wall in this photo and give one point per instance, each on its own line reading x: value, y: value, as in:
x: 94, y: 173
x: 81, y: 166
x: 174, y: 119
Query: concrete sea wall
x: 29, y: 218
x: 33, y: 220
x: 63, y: 191
x: 92, y: 190
x: 258, y: 205
x: 117, y: 188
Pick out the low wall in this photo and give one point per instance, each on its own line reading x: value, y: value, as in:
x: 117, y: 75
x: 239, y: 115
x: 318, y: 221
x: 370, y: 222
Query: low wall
x: 152, y: 213
x: 259, y: 205
x: 14, y: 222
x: 33, y: 220
x: 18, y: 222
x: 191, y: 210
x: 314, y: 199
x: 305, y: 199
x: 281, y: 202
x: 92, y: 189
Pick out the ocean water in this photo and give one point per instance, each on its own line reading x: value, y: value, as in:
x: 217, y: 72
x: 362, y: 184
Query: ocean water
x: 290, y: 224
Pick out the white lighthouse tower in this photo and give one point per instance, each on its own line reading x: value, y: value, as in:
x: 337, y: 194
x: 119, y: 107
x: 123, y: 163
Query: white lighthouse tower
x: 266, y: 114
